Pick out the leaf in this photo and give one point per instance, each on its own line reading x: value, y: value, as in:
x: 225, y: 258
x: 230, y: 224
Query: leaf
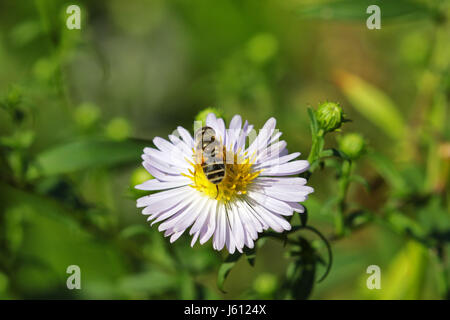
x: 225, y: 269
x: 406, y: 226
x: 304, y: 217
x: 372, y: 103
x: 250, y: 254
x: 361, y: 180
x: 389, y: 172
x: 85, y: 154
x: 333, y: 152
x: 300, y: 277
x: 405, y: 276
x: 357, y: 10
x: 313, y: 121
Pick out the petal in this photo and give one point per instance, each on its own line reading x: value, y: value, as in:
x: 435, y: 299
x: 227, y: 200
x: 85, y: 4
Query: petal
x: 211, y: 227
x: 202, y: 217
x: 277, y: 161
x: 297, y: 207
x: 154, y: 184
x: 286, y: 169
x: 186, y: 137
x: 161, y: 176
x: 220, y: 234
x: 272, y: 204
x: 147, y: 200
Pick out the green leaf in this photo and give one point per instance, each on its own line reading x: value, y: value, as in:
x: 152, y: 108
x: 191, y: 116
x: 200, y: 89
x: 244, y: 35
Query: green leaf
x: 357, y: 10
x: 361, y: 180
x: 333, y: 153
x: 372, y: 103
x: 389, y: 172
x: 406, y: 226
x: 85, y: 154
x: 304, y: 217
x: 313, y: 121
x: 300, y: 275
x: 250, y: 254
x: 225, y: 269
x: 405, y: 276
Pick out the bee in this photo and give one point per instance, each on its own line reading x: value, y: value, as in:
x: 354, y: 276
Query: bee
x: 210, y: 154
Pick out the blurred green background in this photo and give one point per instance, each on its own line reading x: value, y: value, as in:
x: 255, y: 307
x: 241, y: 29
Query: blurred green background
x: 78, y: 106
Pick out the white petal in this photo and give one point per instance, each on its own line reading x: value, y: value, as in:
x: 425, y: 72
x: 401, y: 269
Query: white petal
x: 154, y: 184
x: 286, y: 169
x: 272, y: 204
x: 175, y: 236
x: 271, y: 152
x: 297, y: 207
x: 163, y: 166
x: 202, y: 217
x: 180, y: 144
x: 270, y: 181
x: 189, y: 219
x: 176, y: 221
x: 161, y: 176
x: 220, y: 234
x: 160, y: 205
x: 277, y: 161
x: 177, y: 159
x: 186, y: 136
x: 264, y: 135
x: 147, y: 200
x: 211, y: 227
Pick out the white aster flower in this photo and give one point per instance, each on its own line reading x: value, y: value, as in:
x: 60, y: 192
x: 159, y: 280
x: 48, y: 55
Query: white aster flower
x: 255, y: 194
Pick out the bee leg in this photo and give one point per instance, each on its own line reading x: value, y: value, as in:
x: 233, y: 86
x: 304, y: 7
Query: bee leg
x: 217, y: 188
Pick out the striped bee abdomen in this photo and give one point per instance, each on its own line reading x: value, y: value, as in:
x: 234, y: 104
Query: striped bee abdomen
x: 211, y: 153
x: 214, y: 172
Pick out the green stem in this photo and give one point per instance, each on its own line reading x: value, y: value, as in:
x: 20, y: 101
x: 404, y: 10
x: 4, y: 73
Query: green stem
x: 343, y: 184
x: 316, y: 149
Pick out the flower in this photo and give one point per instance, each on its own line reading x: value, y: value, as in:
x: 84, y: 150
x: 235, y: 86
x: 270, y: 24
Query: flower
x: 330, y: 116
x: 258, y: 189
x: 352, y: 144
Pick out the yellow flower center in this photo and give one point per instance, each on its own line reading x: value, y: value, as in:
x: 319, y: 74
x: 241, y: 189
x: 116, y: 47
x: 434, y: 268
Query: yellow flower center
x: 238, y: 175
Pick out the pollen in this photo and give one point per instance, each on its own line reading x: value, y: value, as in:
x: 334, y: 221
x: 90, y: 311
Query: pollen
x: 239, y: 174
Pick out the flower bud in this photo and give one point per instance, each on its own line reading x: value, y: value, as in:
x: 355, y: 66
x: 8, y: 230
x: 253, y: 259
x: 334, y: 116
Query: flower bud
x: 265, y: 284
x: 87, y: 114
x: 262, y: 47
x: 352, y: 144
x: 140, y: 175
x: 118, y: 129
x: 329, y: 116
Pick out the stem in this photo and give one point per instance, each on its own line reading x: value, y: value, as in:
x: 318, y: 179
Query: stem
x: 343, y: 184
x: 316, y: 149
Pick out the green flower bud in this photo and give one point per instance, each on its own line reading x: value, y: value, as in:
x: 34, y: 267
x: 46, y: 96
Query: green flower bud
x: 140, y: 175
x: 118, y: 129
x: 262, y: 47
x: 14, y: 96
x: 200, y: 119
x: 329, y: 116
x: 86, y: 114
x: 352, y: 144
x: 265, y: 284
